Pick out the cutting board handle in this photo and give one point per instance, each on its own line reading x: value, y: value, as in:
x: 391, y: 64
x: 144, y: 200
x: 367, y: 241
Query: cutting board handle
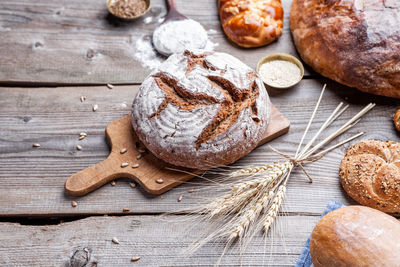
x: 94, y: 177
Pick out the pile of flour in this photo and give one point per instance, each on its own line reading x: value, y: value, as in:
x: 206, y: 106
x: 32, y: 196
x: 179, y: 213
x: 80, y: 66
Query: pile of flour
x: 146, y: 54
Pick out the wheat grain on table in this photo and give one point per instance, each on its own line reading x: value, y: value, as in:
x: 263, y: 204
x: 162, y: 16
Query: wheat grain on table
x: 78, y: 45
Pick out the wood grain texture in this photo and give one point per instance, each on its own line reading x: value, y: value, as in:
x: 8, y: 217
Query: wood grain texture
x: 32, y: 179
x: 79, y: 42
x: 158, y: 242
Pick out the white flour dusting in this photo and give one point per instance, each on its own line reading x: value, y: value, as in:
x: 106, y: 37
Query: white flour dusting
x: 151, y: 59
x: 178, y: 35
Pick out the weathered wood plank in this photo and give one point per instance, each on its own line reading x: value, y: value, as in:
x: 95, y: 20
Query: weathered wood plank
x: 78, y: 42
x: 32, y: 179
x: 157, y: 242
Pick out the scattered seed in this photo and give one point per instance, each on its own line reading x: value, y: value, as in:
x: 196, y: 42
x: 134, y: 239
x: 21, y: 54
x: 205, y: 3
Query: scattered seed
x: 126, y: 210
x: 135, y: 258
x: 139, y: 156
x: 74, y: 204
x: 160, y: 181
x: 95, y: 107
x: 180, y: 198
x: 191, y: 190
x: 82, y: 137
x: 124, y: 164
x: 110, y: 86
x: 136, y: 165
x: 141, y: 150
x: 133, y: 185
x: 83, y: 98
x: 83, y: 134
x: 36, y: 145
x: 113, y: 183
x: 123, y: 150
x: 162, y: 197
x: 115, y: 240
x: 79, y: 147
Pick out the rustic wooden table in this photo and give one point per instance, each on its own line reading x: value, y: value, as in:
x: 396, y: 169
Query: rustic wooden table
x: 53, y: 52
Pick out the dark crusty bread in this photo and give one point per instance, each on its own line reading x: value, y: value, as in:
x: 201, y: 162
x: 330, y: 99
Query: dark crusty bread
x: 201, y: 110
x: 251, y: 23
x: 356, y: 236
x: 356, y: 43
x: 370, y: 174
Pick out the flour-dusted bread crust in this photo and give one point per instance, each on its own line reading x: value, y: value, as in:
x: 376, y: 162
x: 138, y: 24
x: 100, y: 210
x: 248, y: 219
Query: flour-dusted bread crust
x: 251, y: 23
x: 356, y: 236
x: 355, y: 42
x: 201, y: 110
x: 370, y: 174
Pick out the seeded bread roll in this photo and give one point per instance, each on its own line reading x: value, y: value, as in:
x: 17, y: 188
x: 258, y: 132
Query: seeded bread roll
x: 354, y: 42
x: 356, y: 236
x: 370, y: 174
x: 201, y: 110
x: 251, y: 23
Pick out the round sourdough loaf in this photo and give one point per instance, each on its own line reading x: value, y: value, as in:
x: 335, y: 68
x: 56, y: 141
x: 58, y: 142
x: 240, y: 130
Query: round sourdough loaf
x: 201, y: 110
x: 356, y: 236
x: 354, y: 42
x: 370, y: 174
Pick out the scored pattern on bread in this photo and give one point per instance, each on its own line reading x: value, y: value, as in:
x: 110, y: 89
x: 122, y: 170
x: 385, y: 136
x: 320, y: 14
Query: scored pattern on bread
x: 200, y: 110
x: 370, y: 174
x: 234, y: 102
x: 251, y: 23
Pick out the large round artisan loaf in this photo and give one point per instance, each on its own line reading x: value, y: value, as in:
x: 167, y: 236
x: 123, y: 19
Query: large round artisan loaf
x: 201, y: 110
x: 354, y: 42
x: 370, y: 174
x: 356, y: 236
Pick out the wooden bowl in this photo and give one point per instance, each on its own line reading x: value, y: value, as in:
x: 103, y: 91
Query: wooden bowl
x: 109, y: 2
x: 281, y: 56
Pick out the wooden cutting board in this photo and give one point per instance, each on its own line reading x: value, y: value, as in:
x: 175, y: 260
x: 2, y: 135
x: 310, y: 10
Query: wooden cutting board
x: 121, y: 135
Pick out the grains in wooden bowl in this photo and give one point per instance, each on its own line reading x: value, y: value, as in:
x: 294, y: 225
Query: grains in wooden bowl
x: 127, y: 8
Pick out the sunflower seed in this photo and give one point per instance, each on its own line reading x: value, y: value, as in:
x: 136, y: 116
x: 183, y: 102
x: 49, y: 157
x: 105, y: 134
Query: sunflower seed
x: 83, y: 98
x: 123, y: 150
x: 141, y: 150
x: 159, y: 181
x: 36, y: 145
x: 191, y: 190
x: 136, y: 165
x: 95, y: 107
x: 133, y: 185
x: 79, y: 147
x: 139, y: 156
x: 125, y: 210
x: 112, y: 183
x: 180, y: 198
x: 110, y: 86
x: 135, y: 258
x: 82, y: 137
x: 74, y: 204
x: 115, y: 240
x: 124, y: 164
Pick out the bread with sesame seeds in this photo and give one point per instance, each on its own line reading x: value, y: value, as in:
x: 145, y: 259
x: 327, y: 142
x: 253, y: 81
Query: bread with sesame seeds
x: 370, y: 174
x: 201, y: 110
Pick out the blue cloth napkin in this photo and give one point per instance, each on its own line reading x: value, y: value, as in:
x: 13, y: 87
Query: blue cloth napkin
x: 305, y: 259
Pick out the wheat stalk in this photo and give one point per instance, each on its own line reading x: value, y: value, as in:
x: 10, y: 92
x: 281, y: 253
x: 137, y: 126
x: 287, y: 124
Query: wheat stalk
x: 254, y: 202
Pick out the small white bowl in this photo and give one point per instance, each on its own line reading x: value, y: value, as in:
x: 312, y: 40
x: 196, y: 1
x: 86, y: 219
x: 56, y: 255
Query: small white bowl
x: 281, y: 56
